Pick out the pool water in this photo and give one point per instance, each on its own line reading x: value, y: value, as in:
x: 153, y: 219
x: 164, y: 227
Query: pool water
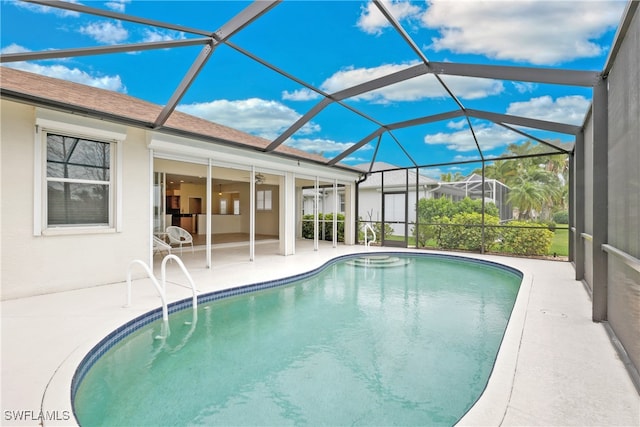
x: 412, y: 343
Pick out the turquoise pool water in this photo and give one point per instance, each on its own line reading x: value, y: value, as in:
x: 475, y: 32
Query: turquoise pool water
x: 412, y: 343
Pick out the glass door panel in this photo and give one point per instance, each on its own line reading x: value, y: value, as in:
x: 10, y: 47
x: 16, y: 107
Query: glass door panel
x: 394, y: 219
x: 159, y: 208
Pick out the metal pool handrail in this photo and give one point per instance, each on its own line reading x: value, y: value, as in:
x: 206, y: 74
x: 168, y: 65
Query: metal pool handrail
x: 162, y: 289
x: 366, y: 242
x: 163, y: 275
x: 165, y: 311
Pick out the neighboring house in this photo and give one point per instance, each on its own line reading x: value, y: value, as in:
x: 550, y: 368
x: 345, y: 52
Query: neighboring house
x: 87, y: 180
x: 395, y: 181
x: 494, y: 191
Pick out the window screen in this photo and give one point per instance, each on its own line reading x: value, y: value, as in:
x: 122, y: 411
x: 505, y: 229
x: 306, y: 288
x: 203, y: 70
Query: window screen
x: 78, y: 181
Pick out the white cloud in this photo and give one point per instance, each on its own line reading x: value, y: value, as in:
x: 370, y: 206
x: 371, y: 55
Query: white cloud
x: 261, y: 117
x: 567, y: 109
x: 417, y: 88
x: 105, y: 32
x: 457, y: 124
x: 461, y: 158
x: 112, y: 83
x: 525, y: 30
x: 47, y: 9
x: 14, y: 48
x: 489, y: 137
x: 117, y: 5
x: 372, y: 21
x: 300, y: 95
x: 157, y: 35
x: 524, y: 87
x: 319, y: 145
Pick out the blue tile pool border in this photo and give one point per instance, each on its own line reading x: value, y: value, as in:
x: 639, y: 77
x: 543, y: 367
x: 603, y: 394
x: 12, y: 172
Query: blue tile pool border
x: 128, y: 328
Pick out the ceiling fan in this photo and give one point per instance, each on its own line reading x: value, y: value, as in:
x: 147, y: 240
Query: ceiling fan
x: 259, y: 178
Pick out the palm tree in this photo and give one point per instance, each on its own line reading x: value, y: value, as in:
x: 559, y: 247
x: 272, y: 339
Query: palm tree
x: 448, y: 177
x: 504, y: 171
x: 526, y: 195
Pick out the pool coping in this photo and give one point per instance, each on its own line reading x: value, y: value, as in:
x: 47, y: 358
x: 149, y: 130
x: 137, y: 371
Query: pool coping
x: 141, y: 321
x: 510, y: 383
x: 501, y: 367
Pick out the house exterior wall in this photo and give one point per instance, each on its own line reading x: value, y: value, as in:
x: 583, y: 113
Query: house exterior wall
x: 371, y: 203
x: 32, y: 264
x: 623, y: 284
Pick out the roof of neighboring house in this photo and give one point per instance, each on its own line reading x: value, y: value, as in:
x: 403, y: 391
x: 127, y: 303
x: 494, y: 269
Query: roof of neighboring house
x: 393, y: 177
x: 376, y: 167
x: 95, y: 102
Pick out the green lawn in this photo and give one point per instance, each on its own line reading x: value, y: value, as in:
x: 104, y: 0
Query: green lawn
x: 560, y: 242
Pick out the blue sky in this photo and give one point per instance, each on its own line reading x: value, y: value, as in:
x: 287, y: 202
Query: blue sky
x: 333, y: 45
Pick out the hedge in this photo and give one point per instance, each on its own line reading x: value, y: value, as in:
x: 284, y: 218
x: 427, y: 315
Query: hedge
x: 526, y: 240
x: 307, y: 226
x: 464, y: 231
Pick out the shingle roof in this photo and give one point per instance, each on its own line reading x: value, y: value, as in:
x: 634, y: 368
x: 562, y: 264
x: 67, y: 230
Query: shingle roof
x: 38, y: 89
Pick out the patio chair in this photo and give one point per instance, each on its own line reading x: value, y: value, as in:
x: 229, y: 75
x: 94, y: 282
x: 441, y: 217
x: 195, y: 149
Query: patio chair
x: 160, y: 246
x: 179, y: 236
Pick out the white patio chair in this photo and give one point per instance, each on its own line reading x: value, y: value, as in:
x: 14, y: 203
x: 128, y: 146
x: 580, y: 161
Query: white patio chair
x: 160, y: 246
x: 179, y: 236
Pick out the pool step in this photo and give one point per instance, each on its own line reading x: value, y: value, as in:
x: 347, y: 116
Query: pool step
x: 378, y: 261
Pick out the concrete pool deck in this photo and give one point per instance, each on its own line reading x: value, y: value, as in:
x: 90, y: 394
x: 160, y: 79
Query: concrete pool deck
x: 556, y: 367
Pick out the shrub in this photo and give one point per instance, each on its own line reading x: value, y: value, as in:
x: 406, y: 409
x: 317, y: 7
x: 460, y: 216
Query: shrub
x: 329, y: 227
x: 423, y: 234
x: 561, y: 217
x: 388, y: 231
x: 442, y: 211
x: 526, y: 241
x: 307, y: 227
x: 429, y: 209
x: 463, y: 231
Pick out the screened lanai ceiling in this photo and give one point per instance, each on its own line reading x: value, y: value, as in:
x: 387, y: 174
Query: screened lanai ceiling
x: 428, y: 83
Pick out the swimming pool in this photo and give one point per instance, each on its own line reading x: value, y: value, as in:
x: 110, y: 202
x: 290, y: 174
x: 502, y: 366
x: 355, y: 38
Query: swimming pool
x: 408, y: 342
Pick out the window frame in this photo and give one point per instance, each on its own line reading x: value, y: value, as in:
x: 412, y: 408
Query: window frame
x: 262, y: 202
x: 51, y: 123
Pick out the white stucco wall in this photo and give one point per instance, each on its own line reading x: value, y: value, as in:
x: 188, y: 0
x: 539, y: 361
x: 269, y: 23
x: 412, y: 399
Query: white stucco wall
x: 32, y: 265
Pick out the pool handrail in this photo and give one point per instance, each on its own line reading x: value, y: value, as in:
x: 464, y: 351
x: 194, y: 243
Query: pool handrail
x: 165, y: 311
x: 163, y: 277
x: 162, y: 286
x: 368, y: 243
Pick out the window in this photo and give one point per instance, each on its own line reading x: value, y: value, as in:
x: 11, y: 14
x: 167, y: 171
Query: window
x: 263, y: 200
x: 223, y: 206
x: 79, y: 181
x: 77, y: 178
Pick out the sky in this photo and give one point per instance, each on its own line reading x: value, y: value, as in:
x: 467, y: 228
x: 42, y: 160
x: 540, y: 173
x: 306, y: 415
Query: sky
x: 333, y: 45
